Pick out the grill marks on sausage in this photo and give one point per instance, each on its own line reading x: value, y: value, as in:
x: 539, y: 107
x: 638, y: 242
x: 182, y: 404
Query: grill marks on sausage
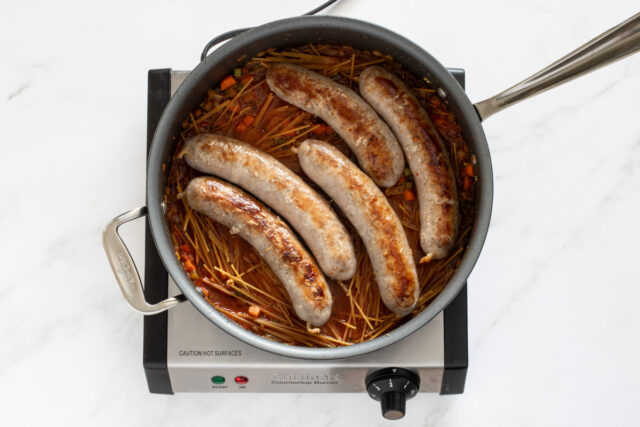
x: 426, y: 154
x: 279, y: 187
x: 386, y: 236
x: 370, y: 143
x: 230, y: 153
x: 410, y: 112
x: 259, y: 220
x: 371, y: 140
x: 384, y: 229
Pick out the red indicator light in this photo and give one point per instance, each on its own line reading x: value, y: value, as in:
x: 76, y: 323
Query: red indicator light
x: 241, y: 380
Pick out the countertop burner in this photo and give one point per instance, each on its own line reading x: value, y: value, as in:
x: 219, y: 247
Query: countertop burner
x: 184, y: 352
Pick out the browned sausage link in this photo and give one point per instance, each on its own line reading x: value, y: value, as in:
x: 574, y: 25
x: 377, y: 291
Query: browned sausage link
x: 372, y: 216
x: 281, y: 189
x: 354, y: 120
x: 426, y: 154
x: 271, y: 237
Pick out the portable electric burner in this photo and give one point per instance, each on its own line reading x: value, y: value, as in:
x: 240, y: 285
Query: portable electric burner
x: 184, y: 352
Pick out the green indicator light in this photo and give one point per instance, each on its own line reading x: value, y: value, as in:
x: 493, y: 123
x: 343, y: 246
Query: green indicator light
x: 217, y: 379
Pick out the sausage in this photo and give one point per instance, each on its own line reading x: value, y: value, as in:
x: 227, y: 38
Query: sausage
x: 370, y: 139
x: 427, y: 157
x: 372, y: 216
x: 281, y: 189
x: 271, y: 237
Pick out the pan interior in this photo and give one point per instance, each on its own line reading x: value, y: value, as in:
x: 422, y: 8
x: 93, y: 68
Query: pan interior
x: 290, y: 33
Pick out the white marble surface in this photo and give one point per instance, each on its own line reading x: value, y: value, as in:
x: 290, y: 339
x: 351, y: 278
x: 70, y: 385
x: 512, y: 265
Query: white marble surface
x: 553, y: 301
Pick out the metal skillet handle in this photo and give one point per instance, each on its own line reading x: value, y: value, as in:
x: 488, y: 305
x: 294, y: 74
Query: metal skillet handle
x: 614, y: 44
x: 125, y: 269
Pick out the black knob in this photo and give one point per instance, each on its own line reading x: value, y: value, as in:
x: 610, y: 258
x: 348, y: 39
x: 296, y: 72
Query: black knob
x: 393, y: 405
x: 392, y: 387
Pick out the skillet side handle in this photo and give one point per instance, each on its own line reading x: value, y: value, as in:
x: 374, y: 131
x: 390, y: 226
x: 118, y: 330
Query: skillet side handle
x: 125, y: 269
x: 610, y: 46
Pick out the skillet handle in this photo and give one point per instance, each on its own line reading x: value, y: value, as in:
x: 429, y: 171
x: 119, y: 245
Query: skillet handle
x: 614, y: 44
x: 125, y: 269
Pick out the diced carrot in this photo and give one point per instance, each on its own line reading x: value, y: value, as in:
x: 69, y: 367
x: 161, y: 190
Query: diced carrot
x: 241, y: 127
x: 254, y: 310
x: 466, y: 182
x: 320, y: 130
x: 185, y: 248
x: 409, y: 195
x: 248, y: 120
x: 227, y: 82
x: 468, y: 169
x: 245, y: 79
x: 188, y: 265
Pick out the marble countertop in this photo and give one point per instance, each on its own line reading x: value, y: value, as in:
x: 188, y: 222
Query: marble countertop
x: 553, y: 301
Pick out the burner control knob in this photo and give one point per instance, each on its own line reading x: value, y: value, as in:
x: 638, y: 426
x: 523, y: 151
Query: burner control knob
x: 392, y: 387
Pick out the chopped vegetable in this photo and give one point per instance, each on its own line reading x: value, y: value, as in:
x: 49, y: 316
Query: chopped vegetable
x: 407, y: 174
x: 409, y: 195
x: 468, y: 169
x: 185, y: 248
x: 248, y: 120
x: 466, y: 182
x: 254, y: 311
x: 241, y: 127
x: 188, y: 265
x: 227, y: 82
x: 194, y: 275
x: 408, y: 185
x: 237, y: 72
x: 246, y: 79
